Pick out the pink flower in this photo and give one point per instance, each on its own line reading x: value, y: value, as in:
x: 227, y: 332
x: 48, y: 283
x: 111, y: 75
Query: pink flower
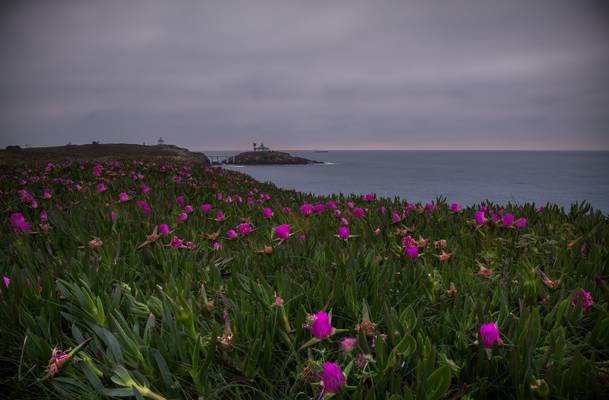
x: 337, y: 212
x: 332, y: 378
x: 282, y: 231
x: 369, y: 197
x: 216, y: 246
x: 176, y: 242
x: 188, y: 209
x: 180, y: 200
x: 7, y: 281
x: 220, y: 216
x: 395, y: 218
x: 19, y: 223
x: 319, y: 208
x: 182, y: 217
x: 205, y: 208
x: 97, y: 170
x: 358, y: 212
x: 521, y: 223
x: 245, y: 229
x: 584, y: 297
x: 44, y: 216
x: 267, y: 212
x: 412, y: 252
x: 46, y: 193
x: 164, y: 229
x: 303, y: 237
x: 480, y: 218
x: 144, y: 188
x: 331, y: 204
x: 100, y: 187
x: 122, y: 197
x: 507, y: 220
x: 489, y: 334
x: 343, y: 233
x: 455, y: 207
x: 144, y: 206
x: 78, y: 186
x: 348, y: 344
x: 231, y: 234
x: 319, y: 325
x: 278, y: 300
x: 113, y: 216
x: 382, y: 210
x: 344, y: 221
x: 306, y: 209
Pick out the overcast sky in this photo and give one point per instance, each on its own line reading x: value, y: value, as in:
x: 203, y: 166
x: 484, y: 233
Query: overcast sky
x: 307, y: 74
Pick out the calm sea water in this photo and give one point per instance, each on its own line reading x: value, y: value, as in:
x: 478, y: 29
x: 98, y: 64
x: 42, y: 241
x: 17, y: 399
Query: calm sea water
x: 467, y: 177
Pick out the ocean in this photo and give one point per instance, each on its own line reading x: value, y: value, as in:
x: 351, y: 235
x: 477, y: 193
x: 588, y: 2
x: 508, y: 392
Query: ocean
x: 467, y: 177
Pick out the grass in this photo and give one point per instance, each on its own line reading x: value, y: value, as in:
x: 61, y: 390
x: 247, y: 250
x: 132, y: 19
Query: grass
x: 199, y: 322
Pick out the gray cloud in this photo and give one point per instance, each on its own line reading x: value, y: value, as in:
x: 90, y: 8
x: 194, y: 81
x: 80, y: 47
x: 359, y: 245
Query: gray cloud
x: 307, y: 74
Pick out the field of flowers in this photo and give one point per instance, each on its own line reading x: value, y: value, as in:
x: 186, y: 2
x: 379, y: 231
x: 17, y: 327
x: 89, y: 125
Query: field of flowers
x: 160, y: 280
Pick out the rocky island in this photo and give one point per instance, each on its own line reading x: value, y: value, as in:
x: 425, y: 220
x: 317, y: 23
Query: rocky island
x: 268, y: 158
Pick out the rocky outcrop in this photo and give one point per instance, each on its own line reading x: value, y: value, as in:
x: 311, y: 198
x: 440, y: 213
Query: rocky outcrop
x: 268, y: 158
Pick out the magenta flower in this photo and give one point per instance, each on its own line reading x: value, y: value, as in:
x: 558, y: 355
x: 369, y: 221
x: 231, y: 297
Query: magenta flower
x: 583, y: 297
x: 521, y: 223
x: 182, y: 217
x: 332, y: 378
x: 245, y: 229
x: 44, y: 216
x: 303, y: 237
x: 188, y: 209
x: 480, y: 217
x: 267, y: 212
x: 231, y: 234
x: 348, y: 344
x: 220, y: 216
x: 306, y: 209
x: 7, y: 281
x: 319, y: 325
x: 100, y: 187
x: 144, y: 188
x: 455, y: 207
x: 358, y: 212
x: 331, y: 204
x: 176, y: 242
x: 122, y: 197
x: 144, y: 206
x: 164, y: 229
x: 19, y: 223
x: 344, y: 221
x: 46, y: 193
x: 216, y: 246
x: 180, y: 200
x: 395, y: 218
x: 282, y: 231
x: 113, y: 216
x: 369, y: 197
x: 205, y: 208
x: 343, y: 233
x: 412, y: 252
x: 489, y: 334
x: 507, y: 220
x: 382, y: 210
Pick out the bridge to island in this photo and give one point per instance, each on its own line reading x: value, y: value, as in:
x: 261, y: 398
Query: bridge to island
x: 218, y: 159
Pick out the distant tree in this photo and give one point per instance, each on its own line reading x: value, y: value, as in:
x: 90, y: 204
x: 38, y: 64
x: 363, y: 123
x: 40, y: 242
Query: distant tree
x: 13, y: 147
x: 95, y: 142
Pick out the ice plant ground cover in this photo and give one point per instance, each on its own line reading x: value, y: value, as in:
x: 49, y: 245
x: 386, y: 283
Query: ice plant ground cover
x: 139, y: 290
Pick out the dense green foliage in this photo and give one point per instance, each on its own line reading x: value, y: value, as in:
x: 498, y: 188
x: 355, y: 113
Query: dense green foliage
x: 168, y: 322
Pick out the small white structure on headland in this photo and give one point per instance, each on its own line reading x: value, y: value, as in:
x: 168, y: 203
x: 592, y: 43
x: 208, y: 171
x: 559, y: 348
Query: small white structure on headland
x: 160, y: 142
x: 262, y: 147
